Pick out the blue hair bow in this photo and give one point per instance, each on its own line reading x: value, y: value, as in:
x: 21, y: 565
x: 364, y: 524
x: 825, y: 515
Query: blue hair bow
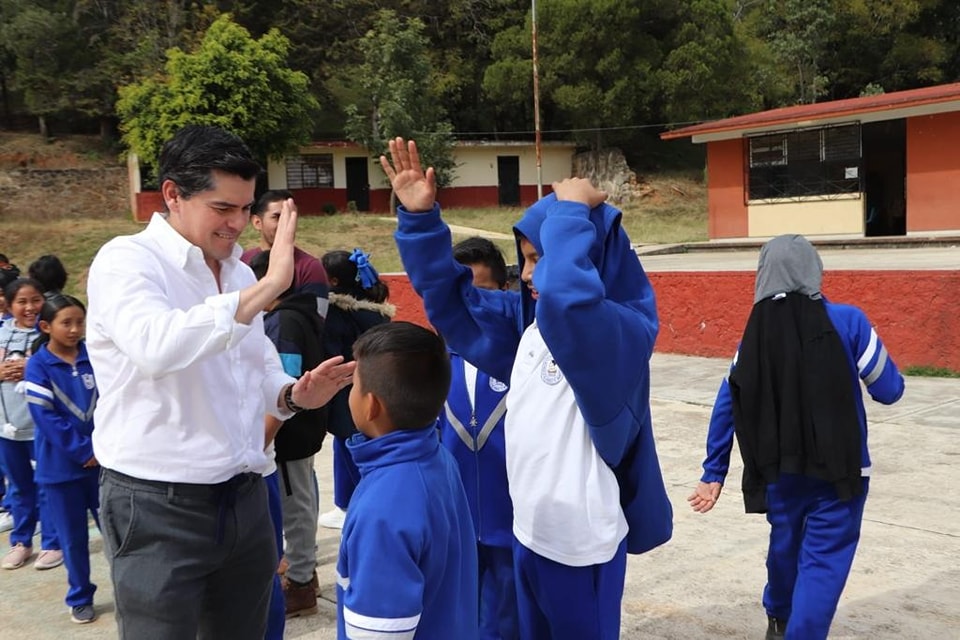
x: 366, y: 275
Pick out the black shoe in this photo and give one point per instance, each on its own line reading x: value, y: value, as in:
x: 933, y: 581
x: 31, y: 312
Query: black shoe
x: 776, y: 627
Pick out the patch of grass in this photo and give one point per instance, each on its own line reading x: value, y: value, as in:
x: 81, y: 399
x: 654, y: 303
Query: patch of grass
x: 930, y: 371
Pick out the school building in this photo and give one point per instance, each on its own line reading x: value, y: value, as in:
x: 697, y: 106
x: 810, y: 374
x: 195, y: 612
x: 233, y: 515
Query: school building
x: 326, y: 177
x: 879, y: 165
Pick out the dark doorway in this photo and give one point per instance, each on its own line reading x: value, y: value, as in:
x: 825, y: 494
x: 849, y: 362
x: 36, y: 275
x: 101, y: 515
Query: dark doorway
x: 885, y: 177
x: 508, y: 181
x: 358, y: 183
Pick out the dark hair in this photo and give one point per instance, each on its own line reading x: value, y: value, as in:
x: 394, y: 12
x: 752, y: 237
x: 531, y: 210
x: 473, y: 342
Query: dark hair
x: 267, y: 198
x: 6, y: 277
x: 49, y: 272
x: 51, y: 307
x: 477, y: 250
x: 259, y: 264
x: 13, y: 288
x: 407, y: 367
x: 338, y: 265
x: 191, y: 156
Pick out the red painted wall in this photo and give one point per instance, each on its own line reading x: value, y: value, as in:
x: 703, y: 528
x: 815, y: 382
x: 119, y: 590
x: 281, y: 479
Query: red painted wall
x: 147, y: 203
x: 933, y: 172
x: 726, y: 200
x: 703, y: 313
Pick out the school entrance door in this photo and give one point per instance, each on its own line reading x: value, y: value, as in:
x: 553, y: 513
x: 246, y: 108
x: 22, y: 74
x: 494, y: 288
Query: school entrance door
x: 358, y: 183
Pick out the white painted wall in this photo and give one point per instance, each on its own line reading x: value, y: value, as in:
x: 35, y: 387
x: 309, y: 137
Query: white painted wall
x: 476, y: 165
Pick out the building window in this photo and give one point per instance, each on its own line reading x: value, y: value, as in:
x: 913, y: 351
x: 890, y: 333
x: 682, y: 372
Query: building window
x: 810, y: 163
x: 311, y: 170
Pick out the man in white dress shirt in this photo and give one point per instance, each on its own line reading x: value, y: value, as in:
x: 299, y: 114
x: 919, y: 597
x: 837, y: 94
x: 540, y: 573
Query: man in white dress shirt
x: 185, y: 375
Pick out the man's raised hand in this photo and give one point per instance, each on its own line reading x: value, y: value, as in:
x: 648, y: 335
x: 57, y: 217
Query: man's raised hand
x: 416, y: 189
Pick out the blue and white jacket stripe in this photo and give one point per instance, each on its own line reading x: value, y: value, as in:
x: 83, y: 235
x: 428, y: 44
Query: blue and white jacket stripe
x: 61, y: 398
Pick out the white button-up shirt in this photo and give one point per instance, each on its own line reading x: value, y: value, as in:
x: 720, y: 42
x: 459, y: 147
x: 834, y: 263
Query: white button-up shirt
x: 183, y: 386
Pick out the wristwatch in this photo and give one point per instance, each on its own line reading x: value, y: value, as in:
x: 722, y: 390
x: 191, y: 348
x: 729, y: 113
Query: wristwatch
x: 288, y: 400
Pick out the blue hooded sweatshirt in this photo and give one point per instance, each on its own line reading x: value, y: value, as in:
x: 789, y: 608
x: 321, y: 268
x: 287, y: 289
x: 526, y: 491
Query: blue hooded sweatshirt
x: 596, y: 312
x: 62, y: 397
x: 407, y: 566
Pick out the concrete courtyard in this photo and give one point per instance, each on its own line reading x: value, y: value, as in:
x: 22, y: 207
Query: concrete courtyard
x: 706, y: 582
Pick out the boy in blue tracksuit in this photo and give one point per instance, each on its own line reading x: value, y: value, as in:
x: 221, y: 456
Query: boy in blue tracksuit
x: 794, y: 401
x: 575, y: 345
x: 62, y: 394
x: 407, y: 566
x: 471, y: 428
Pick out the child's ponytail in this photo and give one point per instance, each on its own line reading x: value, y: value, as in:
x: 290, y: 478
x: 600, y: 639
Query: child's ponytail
x: 354, y: 275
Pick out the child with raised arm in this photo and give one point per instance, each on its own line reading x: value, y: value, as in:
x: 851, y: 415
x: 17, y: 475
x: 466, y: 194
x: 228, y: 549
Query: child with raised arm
x: 471, y: 428
x: 407, y: 566
x: 794, y: 401
x: 62, y: 394
x: 575, y: 345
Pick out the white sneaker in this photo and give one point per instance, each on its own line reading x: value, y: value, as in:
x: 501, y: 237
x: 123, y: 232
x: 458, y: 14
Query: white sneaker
x: 332, y: 519
x: 6, y: 521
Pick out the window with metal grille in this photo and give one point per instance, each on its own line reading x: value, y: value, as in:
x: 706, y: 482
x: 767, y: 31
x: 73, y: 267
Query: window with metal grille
x: 809, y: 163
x: 311, y: 170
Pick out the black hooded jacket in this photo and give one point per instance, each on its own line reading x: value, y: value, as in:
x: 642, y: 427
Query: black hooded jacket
x: 296, y: 328
x: 794, y: 407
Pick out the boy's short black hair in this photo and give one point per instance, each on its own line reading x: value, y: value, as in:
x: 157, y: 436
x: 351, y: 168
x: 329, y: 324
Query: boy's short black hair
x: 408, y: 368
x: 259, y: 265
x: 267, y: 198
x: 191, y: 156
x: 477, y: 250
x: 49, y: 272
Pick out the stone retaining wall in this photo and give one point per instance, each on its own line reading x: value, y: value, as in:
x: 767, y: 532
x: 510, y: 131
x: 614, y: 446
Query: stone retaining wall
x: 37, y: 194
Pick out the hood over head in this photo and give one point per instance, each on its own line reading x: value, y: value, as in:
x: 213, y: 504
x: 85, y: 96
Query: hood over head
x: 788, y: 264
x: 620, y: 271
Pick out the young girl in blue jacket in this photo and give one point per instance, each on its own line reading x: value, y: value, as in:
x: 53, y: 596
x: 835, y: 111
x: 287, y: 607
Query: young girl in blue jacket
x: 17, y: 335
x: 62, y: 394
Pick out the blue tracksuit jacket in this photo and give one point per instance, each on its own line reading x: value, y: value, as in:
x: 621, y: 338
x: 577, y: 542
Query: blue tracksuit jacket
x: 597, y: 314
x: 868, y: 361
x: 408, y: 564
x: 61, y: 397
x: 474, y: 435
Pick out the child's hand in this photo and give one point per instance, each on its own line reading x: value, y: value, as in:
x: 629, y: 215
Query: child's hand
x: 281, y: 267
x: 579, y: 190
x: 416, y: 190
x: 92, y: 462
x: 705, y: 496
x: 12, y: 370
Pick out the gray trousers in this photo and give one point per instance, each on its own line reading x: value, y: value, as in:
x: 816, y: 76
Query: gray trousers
x: 188, y: 560
x: 298, y: 492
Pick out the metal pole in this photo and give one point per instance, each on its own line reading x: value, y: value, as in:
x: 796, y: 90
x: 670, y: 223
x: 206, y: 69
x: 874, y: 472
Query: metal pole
x: 536, y: 103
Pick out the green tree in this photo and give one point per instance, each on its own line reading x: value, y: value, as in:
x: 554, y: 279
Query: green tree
x: 394, y: 96
x: 42, y: 39
x: 232, y: 81
x: 799, y: 34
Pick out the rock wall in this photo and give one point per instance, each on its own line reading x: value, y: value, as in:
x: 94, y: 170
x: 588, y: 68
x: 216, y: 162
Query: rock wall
x: 608, y: 169
x: 39, y: 194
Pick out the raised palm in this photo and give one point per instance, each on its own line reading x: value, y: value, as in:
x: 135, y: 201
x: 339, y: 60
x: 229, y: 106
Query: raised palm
x: 416, y: 189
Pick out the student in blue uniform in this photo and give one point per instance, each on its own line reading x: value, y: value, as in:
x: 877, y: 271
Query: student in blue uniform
x: 793, y: 398
x: 575, y: 344
x: 62, y: 394
x: 27, y: 501
x: 407, y: 566
x: 471, y: 428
